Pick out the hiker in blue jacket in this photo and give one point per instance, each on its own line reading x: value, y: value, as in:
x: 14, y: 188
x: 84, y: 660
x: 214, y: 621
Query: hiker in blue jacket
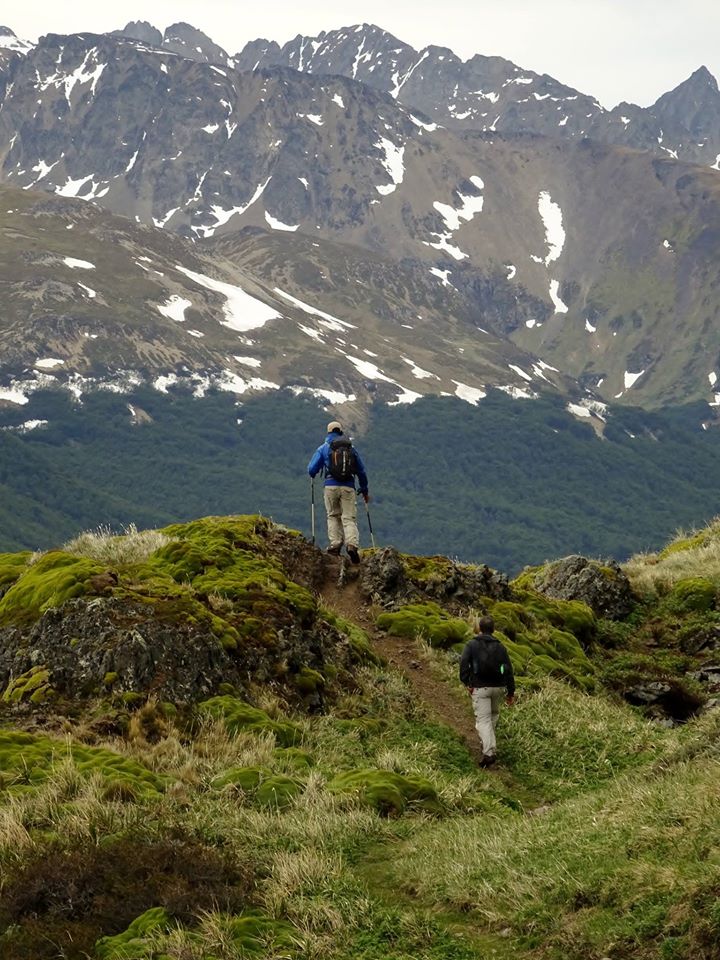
x: 341, y: 464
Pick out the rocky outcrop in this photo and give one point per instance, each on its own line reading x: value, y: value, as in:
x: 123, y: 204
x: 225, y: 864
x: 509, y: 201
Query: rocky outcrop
x: 112, y: 646
x: 602, y: 586
x: 391, y: 579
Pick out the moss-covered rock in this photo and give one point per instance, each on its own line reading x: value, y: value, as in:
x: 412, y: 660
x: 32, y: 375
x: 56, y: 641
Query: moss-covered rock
x: 133, y: 943
x: 12, y: 566
x: 241, y: 716
x: 390, y: 793
x: 262, y: 785
x: 426, y: 620
x: 56, y: 578
x: 32, y: 686
x: 215, y: 603
x: 692, y: 595
x: 603, y: 586
x: 542, y: 636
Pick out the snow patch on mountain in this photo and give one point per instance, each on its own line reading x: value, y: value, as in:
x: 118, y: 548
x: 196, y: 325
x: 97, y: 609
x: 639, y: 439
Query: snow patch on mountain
x: 520, y: 372
x: 332, y: 322
x: 8, y: 41
x: 279, y: 225
x: 76, y: 264
x: 393, y: 161
x: 418, y: 371
x: 469, y: 394
x: 630, y: 378
x: 469, y: 206
x: 332, y: 396
x: 48, y: 363
x: 554, y: 289
x: 552, y: 219
x: 241, y: 310
x: 174, y: 308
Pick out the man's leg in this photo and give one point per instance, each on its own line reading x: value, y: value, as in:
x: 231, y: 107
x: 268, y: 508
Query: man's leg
x: 349, y: 518
x: 333, y: 506
x: 497, y: 695
x: 482, y: 705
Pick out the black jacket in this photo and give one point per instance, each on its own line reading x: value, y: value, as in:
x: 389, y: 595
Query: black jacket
x: 485, y: 663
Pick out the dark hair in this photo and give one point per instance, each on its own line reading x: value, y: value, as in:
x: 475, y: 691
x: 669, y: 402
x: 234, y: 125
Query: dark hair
x: 486, y: 625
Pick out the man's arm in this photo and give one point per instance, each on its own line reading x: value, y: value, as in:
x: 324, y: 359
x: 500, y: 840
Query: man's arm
x: 317, y: 462
x: 361, y: 474
x: 509, y: 676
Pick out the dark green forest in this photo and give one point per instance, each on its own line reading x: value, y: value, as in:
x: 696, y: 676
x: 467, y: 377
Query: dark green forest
x: 507, y: 483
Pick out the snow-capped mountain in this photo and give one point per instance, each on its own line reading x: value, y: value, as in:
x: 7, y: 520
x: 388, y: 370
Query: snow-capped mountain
x: 495, y: 257
x: 493, y: 94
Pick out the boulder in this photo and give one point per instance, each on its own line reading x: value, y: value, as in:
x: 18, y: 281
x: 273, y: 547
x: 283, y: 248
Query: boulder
x: 384, y: 580
x: 601, y: 585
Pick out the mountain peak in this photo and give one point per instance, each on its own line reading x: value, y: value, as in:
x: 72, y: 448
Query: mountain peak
x: 703, y: 75
x: 190, y: 42
x: 140, y: 30
x: 10, y: 41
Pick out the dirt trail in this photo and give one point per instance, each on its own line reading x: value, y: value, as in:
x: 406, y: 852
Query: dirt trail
x: 341, y: 591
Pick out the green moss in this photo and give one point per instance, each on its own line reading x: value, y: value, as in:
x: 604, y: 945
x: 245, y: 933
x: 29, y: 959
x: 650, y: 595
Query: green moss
x: 424, y: 569
x: 308, y: 681
x: 110, y: 678
x: 11, y: 567
x: 32, y: 686
x: 26, y: 760
x: 240, y: 716
x: 132, y: 944
x: 388, y: 792
x: 295, y: 757
x: 265, y: 787
x: 426, y: 620
x: 542, y: 635
x: 247, y: 779
x: 699, y: 539
x: 693, y: 595
x: 359, y: 640
x: 277, y: 791
x: 56, y: 578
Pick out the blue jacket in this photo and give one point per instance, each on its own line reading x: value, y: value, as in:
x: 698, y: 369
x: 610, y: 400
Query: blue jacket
x: 321, y: 460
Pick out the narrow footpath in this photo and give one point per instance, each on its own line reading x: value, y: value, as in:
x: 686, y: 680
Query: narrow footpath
x: 340, y: 590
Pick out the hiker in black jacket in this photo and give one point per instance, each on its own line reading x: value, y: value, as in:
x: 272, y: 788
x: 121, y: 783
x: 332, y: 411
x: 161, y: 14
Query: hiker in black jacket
x: 486, y: 671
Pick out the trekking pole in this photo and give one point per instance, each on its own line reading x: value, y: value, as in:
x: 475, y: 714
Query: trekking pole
x: 312, y: 509
x: 372, y: 535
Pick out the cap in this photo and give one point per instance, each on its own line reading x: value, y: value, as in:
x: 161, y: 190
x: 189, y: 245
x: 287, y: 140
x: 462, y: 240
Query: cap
x: 334, y: 425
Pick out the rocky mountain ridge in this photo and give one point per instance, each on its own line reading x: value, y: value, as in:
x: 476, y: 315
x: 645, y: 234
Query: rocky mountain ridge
x: 577, y: 254
x: 492, y: 94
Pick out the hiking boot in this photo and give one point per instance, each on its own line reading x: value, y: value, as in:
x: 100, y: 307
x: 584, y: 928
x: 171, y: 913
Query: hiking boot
x: 353, y: 553
x: 334, y: 551
x: 487, y: 760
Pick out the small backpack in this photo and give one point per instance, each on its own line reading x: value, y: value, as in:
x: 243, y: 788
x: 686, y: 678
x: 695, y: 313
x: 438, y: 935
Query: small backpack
x: 342, y: 465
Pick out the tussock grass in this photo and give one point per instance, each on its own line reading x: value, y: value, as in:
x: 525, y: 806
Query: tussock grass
x: 116, y: 549
x: 610, y: 865
x: 561, y: 740
x: 689, y: 554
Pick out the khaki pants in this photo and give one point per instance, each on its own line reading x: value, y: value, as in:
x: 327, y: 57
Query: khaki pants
x: 341, y: 506
x: 486, y: 704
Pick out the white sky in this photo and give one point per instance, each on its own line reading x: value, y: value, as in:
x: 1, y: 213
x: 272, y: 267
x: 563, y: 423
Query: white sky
x: 613, y: 49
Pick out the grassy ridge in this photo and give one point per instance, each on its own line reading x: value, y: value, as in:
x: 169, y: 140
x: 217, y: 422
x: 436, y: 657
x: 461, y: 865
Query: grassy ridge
x: 218, y: 830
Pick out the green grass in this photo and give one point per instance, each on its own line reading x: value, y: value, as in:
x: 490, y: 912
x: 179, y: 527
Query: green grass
x: 231, y: 829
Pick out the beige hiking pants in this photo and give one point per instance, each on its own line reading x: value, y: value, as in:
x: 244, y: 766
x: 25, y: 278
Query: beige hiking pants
x: 341, y: 506
x: 486, y: 704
